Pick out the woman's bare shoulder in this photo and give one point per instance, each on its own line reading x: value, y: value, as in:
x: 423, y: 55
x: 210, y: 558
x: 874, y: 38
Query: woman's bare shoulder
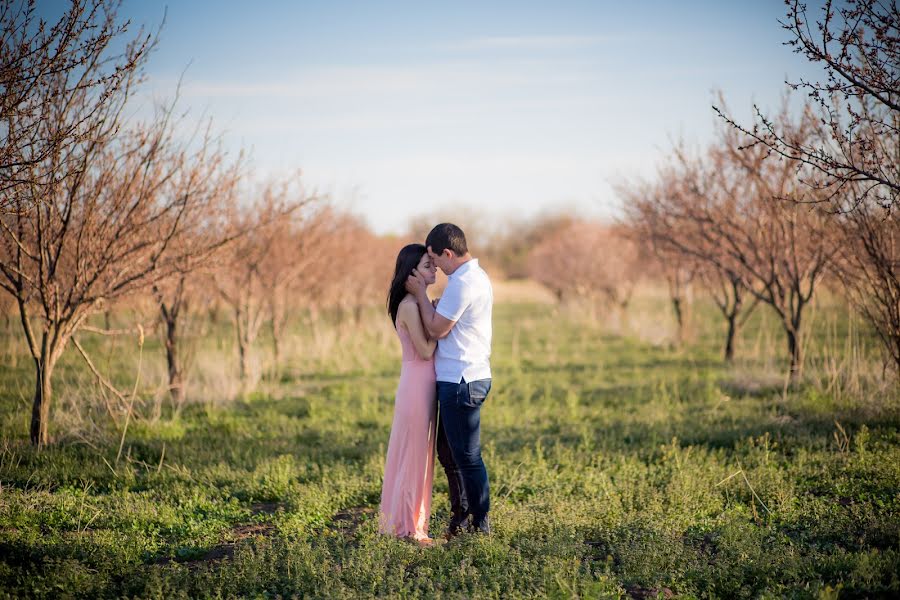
x: 409, y: 301
x: 407, y: 308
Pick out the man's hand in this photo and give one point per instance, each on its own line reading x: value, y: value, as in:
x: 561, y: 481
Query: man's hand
x: 436, y: 326
x: 415, y: 283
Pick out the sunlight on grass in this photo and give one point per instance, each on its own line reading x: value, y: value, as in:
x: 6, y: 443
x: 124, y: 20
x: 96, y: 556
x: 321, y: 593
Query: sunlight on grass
x: 620, y: 465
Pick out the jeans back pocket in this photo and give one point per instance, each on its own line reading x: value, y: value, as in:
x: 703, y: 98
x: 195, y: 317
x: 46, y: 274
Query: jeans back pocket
x: 476, y: 392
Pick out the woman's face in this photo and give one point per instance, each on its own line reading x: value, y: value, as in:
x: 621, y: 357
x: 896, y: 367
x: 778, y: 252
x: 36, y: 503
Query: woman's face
x: 427, y: 269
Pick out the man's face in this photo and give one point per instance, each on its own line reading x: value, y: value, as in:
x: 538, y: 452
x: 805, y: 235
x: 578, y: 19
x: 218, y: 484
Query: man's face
x: 441, y: 261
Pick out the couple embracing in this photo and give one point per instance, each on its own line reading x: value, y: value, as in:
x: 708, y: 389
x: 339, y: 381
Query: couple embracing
x: 444, y: 379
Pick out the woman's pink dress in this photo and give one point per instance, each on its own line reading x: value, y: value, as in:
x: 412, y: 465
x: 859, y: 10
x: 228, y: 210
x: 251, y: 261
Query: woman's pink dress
x: 409, y: 468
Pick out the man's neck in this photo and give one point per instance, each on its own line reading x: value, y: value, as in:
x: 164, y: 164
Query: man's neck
x: 460, y: 261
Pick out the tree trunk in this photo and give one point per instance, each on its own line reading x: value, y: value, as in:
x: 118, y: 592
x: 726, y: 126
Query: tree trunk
x: 242, y: 343
x: 40, y: 411
x: 242, y: 359
x: 680, y: 306
x: 895, y: 354
x: 276, y: 343
x: 796, y: 353
x: 729, y: 337
x: 732, y: 317
x: 176, y: 384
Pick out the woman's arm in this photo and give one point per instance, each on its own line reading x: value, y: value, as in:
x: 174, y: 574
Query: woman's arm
x: 437, y: 326
x: 408, y: 316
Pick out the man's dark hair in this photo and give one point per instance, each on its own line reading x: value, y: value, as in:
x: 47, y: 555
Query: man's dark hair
x: 444, y: 236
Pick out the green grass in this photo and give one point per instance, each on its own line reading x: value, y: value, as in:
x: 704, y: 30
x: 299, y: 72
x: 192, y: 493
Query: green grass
x: 618, y: 468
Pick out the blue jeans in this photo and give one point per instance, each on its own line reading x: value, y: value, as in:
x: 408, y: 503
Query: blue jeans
x: 459, y: 447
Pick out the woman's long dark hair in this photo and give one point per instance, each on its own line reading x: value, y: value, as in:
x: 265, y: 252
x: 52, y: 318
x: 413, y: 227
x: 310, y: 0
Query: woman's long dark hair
x: 407, y: 260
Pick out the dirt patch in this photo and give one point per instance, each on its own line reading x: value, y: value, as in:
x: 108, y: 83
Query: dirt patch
x: 642, y: 593
x: 265, y: 508
x: 348, y: 521
x: 242, y: 532
x: 224, y: 550
x: 232, y: 538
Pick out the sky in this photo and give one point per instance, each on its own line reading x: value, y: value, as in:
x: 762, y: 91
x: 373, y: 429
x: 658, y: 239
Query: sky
x: 510, y: 109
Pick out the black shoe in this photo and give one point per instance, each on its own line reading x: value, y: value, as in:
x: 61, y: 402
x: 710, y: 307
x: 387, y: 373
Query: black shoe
x: 482, y: 525
x: 455, y: 527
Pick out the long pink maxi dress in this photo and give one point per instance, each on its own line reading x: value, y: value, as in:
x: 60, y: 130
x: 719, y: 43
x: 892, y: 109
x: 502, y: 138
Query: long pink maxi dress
x: 409, y: 468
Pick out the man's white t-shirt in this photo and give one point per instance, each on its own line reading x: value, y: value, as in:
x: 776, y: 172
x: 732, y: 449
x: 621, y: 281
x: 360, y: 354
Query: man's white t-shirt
x: 466, y: 351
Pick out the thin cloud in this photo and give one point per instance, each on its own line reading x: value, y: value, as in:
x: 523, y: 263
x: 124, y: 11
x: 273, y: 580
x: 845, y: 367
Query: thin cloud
x: 532, y: 42
x: 441, y: 78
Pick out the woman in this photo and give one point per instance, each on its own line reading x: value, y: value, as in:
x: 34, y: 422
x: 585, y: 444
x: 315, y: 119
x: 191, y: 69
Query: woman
x: 409, y: 468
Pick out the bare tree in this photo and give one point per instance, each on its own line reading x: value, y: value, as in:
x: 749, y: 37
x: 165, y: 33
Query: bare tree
x: 858, y: 135
x: 207, y: 180
x: 853, y: 160
x: 365, y: 281
x: 63, y: 88
x: 729, y: 292
x: 92, y: 238
x: 241, y: 274
x: 588, y: 261
x: 76, y: 190
x: 870, y: 271
x: 753, y: 210
x: 679, y: 281
x: 296, y: 265
x: 669, y: 217
x: 647, y: 226
x: 509, y: 247
x: 340, y: 267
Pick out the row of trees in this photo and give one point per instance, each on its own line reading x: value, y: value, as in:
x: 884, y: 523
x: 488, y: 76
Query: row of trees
x: 737, y: 222
x: 766, y: 213
x: 98, y: 208
x: 88, y: 209
x: 587, y: 261
x: 291, y: 253
x: 852, y: 161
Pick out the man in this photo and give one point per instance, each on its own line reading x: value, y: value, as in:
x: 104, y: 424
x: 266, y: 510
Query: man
x: 461, y: 322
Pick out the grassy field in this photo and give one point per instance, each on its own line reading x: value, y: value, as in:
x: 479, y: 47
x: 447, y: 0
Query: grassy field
x: 619, y: 466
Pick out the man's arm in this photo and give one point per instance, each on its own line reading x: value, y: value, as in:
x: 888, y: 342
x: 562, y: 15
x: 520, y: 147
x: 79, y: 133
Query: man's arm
x: 436, y: 326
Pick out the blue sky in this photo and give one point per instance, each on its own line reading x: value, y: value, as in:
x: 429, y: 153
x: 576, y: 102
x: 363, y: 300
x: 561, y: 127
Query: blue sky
x: 405, y: 108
